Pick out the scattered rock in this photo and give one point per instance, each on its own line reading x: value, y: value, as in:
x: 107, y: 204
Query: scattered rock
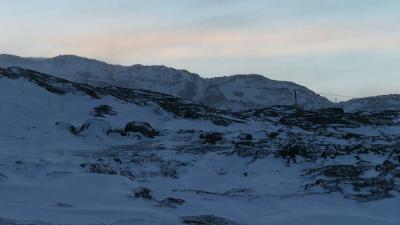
x: 171, y: 202
x: 143, y: 192
x: 349, y: 181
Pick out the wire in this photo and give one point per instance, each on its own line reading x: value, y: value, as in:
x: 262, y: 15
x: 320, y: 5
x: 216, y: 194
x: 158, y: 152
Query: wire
x: 343, y: 96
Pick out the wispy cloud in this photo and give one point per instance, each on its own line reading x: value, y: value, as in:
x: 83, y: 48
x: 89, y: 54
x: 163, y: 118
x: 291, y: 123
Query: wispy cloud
x: 307, y: 40
x: 183, y: 44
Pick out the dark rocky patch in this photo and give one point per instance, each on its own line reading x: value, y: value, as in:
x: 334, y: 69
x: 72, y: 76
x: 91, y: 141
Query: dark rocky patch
x: 212, y: 137
x: 206, y: 220
x: 336, y: 117
x: 350, y: 182
x: 236, y: 192
x: 143, y: 192
x: 245, y: 137
x: 273, y: 134
x: 103, y: 110
x: 339, y: 171
x: 171, y: 202
x: 100, y: 168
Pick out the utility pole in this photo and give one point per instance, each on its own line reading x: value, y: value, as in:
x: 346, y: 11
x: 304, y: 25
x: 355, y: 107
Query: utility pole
x: 295, y: 99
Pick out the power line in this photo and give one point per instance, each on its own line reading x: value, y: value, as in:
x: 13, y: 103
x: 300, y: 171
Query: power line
x: 336, y: 95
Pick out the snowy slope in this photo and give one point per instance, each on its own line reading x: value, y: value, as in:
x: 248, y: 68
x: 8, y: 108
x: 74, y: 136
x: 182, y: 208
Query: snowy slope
x: 235, y: 92
x: 374, y: 104
x: 65, y: 158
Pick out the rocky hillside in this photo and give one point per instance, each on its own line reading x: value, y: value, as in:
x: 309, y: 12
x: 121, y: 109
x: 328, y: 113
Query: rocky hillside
x: 73, y: 153
x: 237, y: 92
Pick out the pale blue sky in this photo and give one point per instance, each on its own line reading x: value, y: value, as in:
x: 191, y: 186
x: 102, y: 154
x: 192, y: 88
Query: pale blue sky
x: 348, y: 47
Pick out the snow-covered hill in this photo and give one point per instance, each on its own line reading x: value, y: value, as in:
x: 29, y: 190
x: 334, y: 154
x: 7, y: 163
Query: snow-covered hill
x: 237, y: 92
x: 372, y: 104
x: 72, y: 153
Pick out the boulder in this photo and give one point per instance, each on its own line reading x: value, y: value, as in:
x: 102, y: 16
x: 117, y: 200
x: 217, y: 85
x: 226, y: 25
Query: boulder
x: 141, y: 127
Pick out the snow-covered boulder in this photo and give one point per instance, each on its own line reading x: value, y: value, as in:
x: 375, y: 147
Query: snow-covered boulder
x: 66, y: 126
x: 95, y: 127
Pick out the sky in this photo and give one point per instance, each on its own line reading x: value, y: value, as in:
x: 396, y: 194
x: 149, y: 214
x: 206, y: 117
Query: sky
x: 343, y: 47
